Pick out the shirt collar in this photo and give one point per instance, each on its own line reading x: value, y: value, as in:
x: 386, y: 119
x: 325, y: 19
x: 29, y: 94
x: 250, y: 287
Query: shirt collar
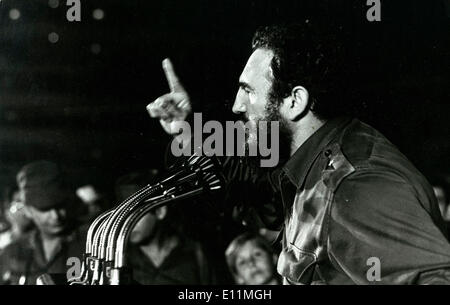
x: 300, y: 162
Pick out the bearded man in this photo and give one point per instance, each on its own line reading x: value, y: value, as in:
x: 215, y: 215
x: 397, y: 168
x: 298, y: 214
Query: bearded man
x: 354, y: 209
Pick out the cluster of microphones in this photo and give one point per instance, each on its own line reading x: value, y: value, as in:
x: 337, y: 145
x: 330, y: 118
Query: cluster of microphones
x: 105, y: 257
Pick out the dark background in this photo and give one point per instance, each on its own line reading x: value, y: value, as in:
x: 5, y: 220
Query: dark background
x: 62, y: 101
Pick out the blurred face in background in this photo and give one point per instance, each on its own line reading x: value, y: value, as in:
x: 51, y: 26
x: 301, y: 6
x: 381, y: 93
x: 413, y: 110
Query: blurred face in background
x: 146, y: 227
x: 254, y: 266
x: 53, y: 222
x: 17, y: 216
x: 91, y: 199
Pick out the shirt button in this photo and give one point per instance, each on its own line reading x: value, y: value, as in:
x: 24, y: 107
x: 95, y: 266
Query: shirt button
x: 327, y: 153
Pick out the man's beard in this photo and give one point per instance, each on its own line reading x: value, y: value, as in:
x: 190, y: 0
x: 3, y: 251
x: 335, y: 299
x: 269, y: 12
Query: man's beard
x: 272, y: 114
x: 285, y: 133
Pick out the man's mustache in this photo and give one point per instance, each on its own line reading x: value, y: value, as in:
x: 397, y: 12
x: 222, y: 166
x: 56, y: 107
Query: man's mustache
x: 242, y: 117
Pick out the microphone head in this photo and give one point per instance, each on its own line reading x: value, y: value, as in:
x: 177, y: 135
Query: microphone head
x: 209, y: 170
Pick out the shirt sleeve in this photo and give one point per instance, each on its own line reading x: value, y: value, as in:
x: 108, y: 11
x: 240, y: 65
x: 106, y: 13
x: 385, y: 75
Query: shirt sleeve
x: 254, y: 192
x: 251, y: 192
x: 378, y: 220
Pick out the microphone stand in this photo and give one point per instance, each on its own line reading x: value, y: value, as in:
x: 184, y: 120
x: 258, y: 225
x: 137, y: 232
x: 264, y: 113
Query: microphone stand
x: 104, y: 261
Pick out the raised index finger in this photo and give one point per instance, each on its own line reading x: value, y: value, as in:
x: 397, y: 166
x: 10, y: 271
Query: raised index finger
x: 172, y: 78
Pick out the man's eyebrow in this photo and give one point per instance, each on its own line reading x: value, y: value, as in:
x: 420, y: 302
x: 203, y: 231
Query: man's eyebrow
x: 243, y: 84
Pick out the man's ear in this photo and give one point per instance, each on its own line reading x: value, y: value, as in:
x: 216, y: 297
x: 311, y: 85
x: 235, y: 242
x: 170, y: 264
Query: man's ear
x: 295, y: 105
x: 161, y: 212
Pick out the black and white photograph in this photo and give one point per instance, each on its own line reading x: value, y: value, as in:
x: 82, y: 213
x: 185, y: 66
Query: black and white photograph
x: 224, y: 147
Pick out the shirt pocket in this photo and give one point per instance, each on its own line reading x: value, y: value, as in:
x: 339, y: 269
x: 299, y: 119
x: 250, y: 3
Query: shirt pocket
x: 297, y: 266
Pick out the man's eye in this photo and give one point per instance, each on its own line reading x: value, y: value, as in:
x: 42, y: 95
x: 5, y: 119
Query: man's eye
x: 245, y: 89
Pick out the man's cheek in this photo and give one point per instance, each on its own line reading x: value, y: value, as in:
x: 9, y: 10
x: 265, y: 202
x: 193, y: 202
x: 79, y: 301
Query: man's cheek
x: 253, y: 99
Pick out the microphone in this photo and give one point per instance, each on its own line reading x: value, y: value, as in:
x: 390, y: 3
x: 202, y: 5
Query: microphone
x: 104, y: 261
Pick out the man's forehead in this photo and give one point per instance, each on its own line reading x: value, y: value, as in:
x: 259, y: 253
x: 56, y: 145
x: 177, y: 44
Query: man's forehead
x: 258, y: 65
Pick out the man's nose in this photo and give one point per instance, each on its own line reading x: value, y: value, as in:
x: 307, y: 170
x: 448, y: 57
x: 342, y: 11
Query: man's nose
x: 62, y: 213
x: 53, y: 214
x: 57, y: 214
x: 239, y: 105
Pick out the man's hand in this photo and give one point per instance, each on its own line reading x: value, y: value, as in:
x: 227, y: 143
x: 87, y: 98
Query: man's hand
x: 171, y: 108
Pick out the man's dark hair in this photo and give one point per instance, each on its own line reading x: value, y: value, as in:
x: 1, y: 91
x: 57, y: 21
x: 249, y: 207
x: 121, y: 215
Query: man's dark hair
x: 307, y: 55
